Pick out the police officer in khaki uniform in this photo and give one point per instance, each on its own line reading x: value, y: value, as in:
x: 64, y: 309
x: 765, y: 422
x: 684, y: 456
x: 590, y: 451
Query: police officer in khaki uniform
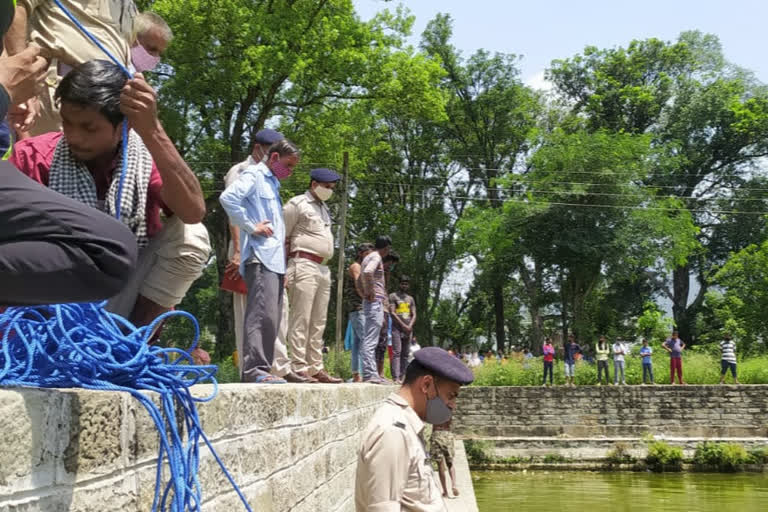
x: 309, y: 245
x: 393, y: 471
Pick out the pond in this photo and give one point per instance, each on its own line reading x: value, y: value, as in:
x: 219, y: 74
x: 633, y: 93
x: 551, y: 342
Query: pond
x: 579, y: 491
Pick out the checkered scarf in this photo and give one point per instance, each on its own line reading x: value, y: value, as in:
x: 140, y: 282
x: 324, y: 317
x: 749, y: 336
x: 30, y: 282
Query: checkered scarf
x: 72, y: 178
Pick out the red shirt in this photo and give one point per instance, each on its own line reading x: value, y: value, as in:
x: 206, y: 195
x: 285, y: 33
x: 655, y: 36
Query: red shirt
x: 33, y: 157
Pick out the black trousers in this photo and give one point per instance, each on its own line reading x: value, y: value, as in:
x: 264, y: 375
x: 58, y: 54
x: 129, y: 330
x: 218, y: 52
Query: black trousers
x: 54, y: 249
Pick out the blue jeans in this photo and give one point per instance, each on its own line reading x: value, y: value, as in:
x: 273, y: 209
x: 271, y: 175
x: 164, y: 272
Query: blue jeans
x: 648, y: 369
x: 373, y: 314
x: 358, y: 333
x: 618, y: 366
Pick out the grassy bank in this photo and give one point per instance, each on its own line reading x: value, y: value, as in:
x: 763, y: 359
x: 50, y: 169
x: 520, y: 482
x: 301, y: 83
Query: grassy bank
x: 660, y: 457
x: 698, y: 368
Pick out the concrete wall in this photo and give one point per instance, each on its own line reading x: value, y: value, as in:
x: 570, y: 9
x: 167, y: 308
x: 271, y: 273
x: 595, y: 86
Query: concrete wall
x: 613, y: 411
x: 289, y: 447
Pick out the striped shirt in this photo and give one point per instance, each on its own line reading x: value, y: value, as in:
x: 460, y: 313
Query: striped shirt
x: 728, y: 348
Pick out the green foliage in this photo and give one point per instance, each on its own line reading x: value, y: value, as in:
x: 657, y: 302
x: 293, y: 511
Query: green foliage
x: 699, y: 367
x: 759, y: 455
x: 741, y: 308
x: 653, y: 323
x: 663, y: 457
x: 478, y: 451
x: 721, y: 456
x: 554, y: 458
x: 620, y: 454
x: 228, y: 372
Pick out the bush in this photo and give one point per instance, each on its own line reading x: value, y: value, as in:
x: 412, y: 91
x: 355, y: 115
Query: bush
x: 721, y: 456
x: 620, y: 454
x: 554, y: 458
x: 478, y: 452
x: 227, y: 372
x: 663, y: 457
x: 759, y: 455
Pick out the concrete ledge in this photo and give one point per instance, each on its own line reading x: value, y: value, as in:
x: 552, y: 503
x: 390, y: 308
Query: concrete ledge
x: 613, y: 411
x: 289, y: 447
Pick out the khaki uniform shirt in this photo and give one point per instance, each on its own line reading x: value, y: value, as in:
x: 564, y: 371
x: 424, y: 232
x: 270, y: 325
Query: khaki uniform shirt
x: 110, y: 22
x: 308, y: 226
x: 393, y: 471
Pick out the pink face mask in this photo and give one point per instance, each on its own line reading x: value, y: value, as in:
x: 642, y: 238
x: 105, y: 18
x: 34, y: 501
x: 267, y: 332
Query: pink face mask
x: 142, y: 59
x: 280, y: 170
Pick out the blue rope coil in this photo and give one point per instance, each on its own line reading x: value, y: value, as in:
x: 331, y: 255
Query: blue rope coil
x: 84, y: 346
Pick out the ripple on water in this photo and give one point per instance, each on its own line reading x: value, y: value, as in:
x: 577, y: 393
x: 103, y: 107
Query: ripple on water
x: 580, y: 491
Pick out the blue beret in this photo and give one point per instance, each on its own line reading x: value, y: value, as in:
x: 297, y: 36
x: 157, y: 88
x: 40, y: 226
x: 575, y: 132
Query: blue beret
x: 444, y: 365
x: 324, y: 175
x: 267, y: 137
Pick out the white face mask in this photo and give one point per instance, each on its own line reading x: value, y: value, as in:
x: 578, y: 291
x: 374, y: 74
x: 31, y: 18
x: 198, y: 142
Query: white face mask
x: 323, y: 193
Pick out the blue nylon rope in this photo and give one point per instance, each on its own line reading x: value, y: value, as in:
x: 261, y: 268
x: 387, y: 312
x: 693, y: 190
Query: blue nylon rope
x: 84, y: 346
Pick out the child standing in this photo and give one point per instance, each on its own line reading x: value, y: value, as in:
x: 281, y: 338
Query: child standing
x: 602, y: 350
x: 728, y: 358
x: 675, y: 346
x: 549, y: 357
x: 646, y: 352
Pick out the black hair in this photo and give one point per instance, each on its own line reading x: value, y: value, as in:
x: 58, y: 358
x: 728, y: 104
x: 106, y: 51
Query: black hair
x: 283, y: 148
x: 96, y: 84
x: 383, y: 241
x: 365, y: 246
x: 392, y: 256
x: 405, y: 279
x: 416, y: 370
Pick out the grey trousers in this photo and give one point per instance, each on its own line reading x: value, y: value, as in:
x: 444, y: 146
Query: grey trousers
x: 618, y: 367
x: 401, y: 346
x: 373, y: 316
x: 54, y: 249
x: 262, y: 320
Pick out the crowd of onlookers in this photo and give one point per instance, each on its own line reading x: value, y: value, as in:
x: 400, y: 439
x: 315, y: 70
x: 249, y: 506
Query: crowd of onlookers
x: 601, y: 354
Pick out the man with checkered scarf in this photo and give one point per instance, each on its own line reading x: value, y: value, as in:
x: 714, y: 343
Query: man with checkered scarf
x: 160, y: 199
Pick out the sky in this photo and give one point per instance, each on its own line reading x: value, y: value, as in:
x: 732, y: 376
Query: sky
x: 542, y: 30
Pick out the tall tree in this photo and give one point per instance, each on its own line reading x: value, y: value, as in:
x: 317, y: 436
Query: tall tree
x: 491, y: 123
x: 708, y: 117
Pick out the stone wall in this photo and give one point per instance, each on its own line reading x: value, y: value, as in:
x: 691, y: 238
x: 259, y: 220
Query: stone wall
x: 613, y: 411
x: 289, y: 447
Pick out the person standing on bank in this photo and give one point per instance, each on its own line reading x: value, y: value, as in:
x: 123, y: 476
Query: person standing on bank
x: 262, y: 141
x: 675, y: 346
x: 619, y: 351
x: 393, y: 471
x: 354, y: 295
x: 253, y: 204
x: 548, y: 351
x: 402, y: 309
x: 571, y: 349
x: 374, y: 297
x: 728, y: 358
x: 309, y: 245
x: 602, y: 350
x: 645, y: 353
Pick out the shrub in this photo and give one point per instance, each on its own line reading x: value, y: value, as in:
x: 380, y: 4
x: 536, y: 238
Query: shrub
x: 620, y: 454
x: 554, y: 458
x: 759, y: 455
x: 478, y: 452
x: 722, y: 456
x: 663, y: 457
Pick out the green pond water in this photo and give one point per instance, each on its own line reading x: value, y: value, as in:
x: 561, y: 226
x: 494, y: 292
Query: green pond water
x: 576, y: 491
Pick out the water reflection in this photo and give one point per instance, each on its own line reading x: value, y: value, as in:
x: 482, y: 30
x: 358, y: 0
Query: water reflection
x: 572, y: 491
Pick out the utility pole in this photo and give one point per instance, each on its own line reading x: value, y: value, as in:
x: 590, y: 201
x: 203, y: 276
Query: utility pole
x: 342, y: 242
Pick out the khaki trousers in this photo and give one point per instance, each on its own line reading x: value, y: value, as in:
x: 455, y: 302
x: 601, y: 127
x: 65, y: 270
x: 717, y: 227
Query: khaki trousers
x: 309, y: 289
x: 281, y: 364
x: 168, y: 265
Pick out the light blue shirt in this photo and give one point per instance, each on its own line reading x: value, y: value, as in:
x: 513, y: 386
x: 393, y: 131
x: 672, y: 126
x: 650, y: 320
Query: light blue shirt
x: 254, y: 197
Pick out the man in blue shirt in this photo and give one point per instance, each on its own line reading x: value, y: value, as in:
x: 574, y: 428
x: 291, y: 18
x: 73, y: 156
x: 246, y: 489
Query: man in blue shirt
x: 571, y: 349
x: 253, y: 204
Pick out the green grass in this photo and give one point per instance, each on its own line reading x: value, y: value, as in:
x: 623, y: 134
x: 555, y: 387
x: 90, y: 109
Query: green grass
x: 698, y: 368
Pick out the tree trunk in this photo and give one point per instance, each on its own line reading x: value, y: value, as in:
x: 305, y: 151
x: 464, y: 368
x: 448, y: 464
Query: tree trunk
x: 681, y: 287
x: 498, y: 309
